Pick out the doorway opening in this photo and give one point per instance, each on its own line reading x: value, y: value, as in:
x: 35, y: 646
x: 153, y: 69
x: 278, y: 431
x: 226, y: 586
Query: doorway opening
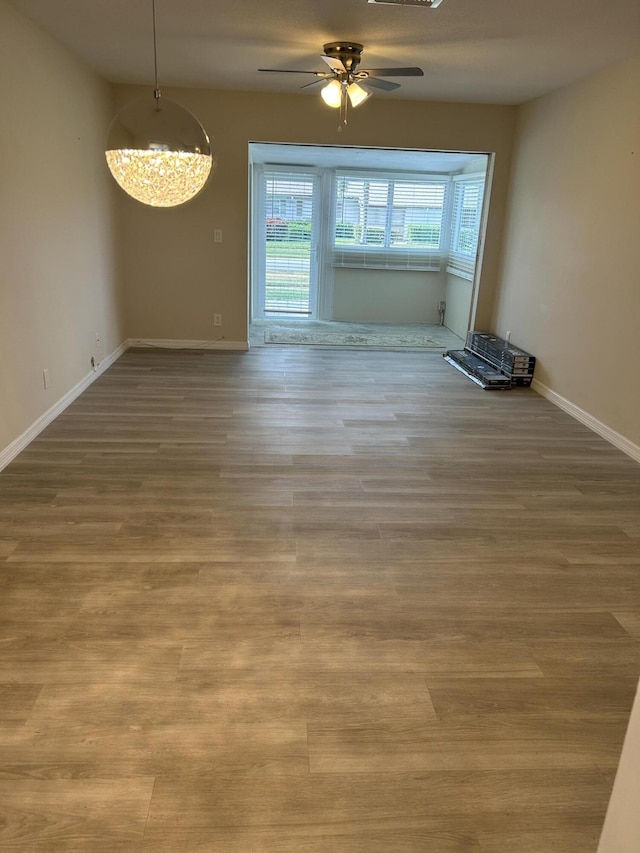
x: 366, y: 235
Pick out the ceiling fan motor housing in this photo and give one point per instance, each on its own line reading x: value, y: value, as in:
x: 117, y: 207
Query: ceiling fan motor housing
x: 348, y: 52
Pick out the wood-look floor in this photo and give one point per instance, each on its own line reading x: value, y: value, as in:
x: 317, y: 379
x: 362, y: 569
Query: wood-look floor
x: 313, y: 601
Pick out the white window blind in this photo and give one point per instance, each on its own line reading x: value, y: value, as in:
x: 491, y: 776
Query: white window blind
x: 386, y: 223
x: 465, y: 226
x: 288, y: 211
x: 288, y: 201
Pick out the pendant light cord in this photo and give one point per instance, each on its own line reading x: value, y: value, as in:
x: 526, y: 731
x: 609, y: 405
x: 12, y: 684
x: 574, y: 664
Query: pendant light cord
x: 156, y: 92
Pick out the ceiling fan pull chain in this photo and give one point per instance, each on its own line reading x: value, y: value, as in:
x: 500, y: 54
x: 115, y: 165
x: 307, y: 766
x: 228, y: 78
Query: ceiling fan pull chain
x: 344, y: 106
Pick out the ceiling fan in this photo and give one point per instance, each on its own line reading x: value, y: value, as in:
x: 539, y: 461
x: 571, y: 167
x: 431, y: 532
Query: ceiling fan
x: 345, y: 82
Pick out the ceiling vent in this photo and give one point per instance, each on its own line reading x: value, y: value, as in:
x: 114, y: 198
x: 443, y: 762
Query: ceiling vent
x: 426, y: 4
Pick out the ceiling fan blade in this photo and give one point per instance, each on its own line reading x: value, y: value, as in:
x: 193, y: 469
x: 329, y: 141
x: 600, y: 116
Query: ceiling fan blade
x: 288, y: 71
x: 322, y: 78
x: 393, y: 72
x: 378, y: 83
x: 334, y: 64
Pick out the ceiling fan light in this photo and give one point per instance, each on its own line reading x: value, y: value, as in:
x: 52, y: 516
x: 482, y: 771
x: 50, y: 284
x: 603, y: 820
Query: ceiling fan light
x: 332, y: 94
x: 357, y: 95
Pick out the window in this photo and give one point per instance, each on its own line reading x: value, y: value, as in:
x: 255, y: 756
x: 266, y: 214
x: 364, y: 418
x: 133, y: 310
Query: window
x: 287, y: 199
x: 465, y: 225
x: 388, y: 223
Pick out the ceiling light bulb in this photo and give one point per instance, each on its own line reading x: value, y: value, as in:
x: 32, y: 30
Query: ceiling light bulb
x: 332, y: 94
x: 357, y: 95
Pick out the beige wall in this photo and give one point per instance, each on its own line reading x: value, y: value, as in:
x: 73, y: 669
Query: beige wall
x: 57, y: 273
x: 570, y: 290
x: 387, y: 296
x: 177, y: 277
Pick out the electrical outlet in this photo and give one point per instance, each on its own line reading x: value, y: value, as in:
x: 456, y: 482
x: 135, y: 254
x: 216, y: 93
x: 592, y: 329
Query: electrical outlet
x: 217, y: 319
x: 98, y: 342
x: 217, y: 235
x: 45, y: 379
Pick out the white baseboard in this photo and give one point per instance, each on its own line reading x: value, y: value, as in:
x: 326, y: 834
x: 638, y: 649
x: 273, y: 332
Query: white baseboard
x: 170, y: 343
x: 18, y: 445
x: 613, y: 437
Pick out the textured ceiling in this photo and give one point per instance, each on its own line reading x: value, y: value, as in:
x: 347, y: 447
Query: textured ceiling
x: 491, y: 51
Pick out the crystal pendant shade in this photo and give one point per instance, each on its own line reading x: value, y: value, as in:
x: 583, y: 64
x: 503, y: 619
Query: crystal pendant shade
x: 158, y: 152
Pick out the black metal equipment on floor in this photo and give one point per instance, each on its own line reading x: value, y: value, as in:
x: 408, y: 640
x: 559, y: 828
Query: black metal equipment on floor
x: 492, y: 362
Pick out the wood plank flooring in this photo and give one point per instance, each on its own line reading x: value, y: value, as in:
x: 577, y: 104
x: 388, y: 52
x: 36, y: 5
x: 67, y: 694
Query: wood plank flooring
x: 313, y: 601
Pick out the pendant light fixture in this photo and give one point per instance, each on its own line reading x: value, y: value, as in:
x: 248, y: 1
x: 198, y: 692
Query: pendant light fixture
x: 158, y: 151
